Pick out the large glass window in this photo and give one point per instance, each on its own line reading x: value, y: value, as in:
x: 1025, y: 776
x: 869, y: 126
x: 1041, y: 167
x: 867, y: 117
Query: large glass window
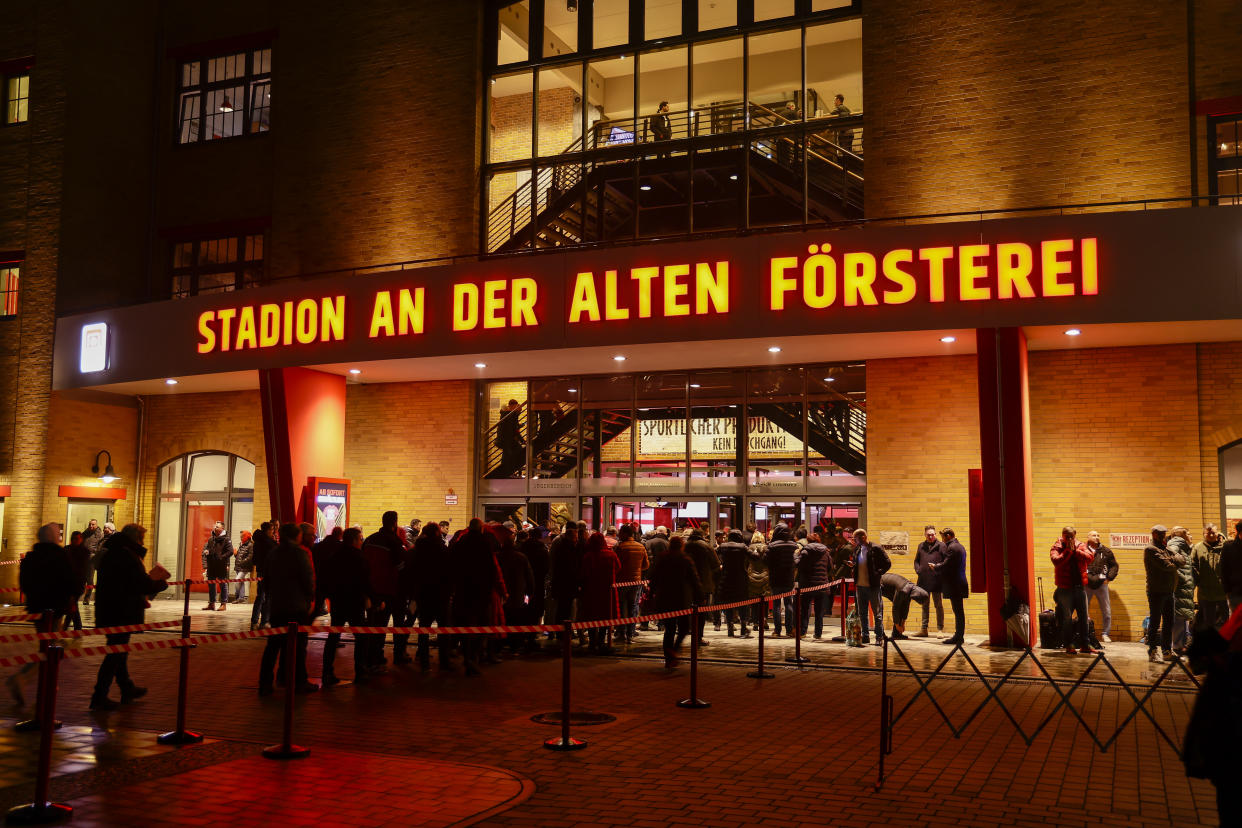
x: 216, y: 265
x: 225, y: 96
x: 1231, y: 487
x: 600, y: 118
x: 773, y: 432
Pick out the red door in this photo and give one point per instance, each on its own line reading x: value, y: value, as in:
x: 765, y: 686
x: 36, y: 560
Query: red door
x: 200, y: 518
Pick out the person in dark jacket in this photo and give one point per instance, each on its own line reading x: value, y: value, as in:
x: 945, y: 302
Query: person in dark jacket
x: 80, y: 561
x: 813, y: 566
x: 476, y: 579
x: 1210, y: 746
x: 930, y: 551
x: 901, y: 592
x: 1231, y: 569
x: 509, y: 440
x: 734, y: 580
x: 674, y: 587
x: 869, y: 562
x: 264, y: 543
x: 1161, y: 565
x: 520, y: 582
x: 217, y: 550
x: 291, y: 591
x: 432, y: 591
x: 122, y: 588
x: 47, y: 579
x: 781, y: 556
x: 384, y: 552
x: 598, y: 574
x: 346, y: 583
x: 564, y: 562
x: 952, y: 571
x: 321, y: 558
x: 536, y: 551
x: 707, y: 563
x: 92, y: 539
x: 1101, y: 572
x: 243, y: 566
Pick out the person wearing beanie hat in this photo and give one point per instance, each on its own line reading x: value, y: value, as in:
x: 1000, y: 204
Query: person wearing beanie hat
x: 1161, y: 564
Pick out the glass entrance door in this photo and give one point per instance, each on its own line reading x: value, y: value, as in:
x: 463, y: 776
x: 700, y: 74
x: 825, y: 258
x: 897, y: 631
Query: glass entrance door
x: 765, y: 514
x: 675, y: 515
x: 82, y: 512
x: 543, y: 513
x: 846, y: 514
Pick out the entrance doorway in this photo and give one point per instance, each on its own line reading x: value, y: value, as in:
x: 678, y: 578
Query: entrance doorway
x: 767, y: 513
x: 542, y: 513
x: 675, y: 515
x: 82, y: 512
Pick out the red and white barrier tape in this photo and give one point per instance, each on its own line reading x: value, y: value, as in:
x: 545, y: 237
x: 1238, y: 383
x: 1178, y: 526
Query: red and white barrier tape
x: 630, y: 584
x: 482, y: 630
x: 19, y: 660
x: 46, y: 636
x: 9, y: 563
x: 21, y: 616
x: 172, y: 643
x: 217, y: 581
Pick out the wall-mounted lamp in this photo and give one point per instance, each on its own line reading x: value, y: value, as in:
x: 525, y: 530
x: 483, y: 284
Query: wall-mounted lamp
x: 109, y: 473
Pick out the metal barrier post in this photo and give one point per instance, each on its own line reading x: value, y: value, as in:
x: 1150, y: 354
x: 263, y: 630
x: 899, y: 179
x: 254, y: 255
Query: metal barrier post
x: 45, y: 624
x: 41, y: 811
x: 565, y: 741
x: 759, y: 672
x: 181, y: 736
x: 286, y: 749
x: 845, y: 592
x: 797, y: 627
x: 885, y: 712
x: 186, y: 589
x: 694, y: 702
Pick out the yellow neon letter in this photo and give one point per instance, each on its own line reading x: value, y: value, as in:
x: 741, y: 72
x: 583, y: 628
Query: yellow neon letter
x: 904, y: 279
x: 780, y: 283
x: 969, y: 272
x: 1014, y: 264
x: 411, y: 311
x: 644, y: 275
x: 585, y: 300
x: 935, y: 258
x: 206, y: 332
x: 522, y: 306
x: 711, y: 287
x: 1054, y: 268
x: 465, y: 306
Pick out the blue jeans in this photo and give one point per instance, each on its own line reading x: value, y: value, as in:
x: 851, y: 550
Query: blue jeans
x: 870, y: 596
x: 783, y: 608
x: 627, y: 597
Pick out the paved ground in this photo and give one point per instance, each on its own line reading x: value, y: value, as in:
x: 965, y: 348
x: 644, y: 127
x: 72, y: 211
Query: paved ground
x: 800, y: 749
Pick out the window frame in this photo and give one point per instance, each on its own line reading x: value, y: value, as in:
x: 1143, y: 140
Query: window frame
x: 11, y: 70
x: 1216, y: 164
x: 10, y: 291
x: 249, y: 80
x: 197, y: 269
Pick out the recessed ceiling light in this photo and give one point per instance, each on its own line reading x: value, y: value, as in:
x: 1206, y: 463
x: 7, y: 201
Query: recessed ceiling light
x: 480, y: 365
x: 573, y: 390
x: 1073, y: 332
x: 948, y: 339
x: 830, y: 379
x: 733, y: 177
x: 775, y: 349
x: 170, y: 381
x: 695, y: 385
x: 355, y: 371
x: 644, y: 187
x: 619, y: 358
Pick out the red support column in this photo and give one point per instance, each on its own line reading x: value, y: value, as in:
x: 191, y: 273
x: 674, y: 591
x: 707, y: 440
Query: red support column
x: 1005, y: 451
x: 303, y: 434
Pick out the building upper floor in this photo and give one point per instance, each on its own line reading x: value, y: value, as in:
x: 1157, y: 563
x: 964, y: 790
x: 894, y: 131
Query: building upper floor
x: 170, y: 149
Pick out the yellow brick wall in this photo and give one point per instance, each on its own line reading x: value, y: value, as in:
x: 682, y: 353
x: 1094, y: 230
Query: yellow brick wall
x: 1115, y: 448
x: 922, y: 436
x: 1220, y: 419
x: 76, y: 431
x: 406, y: 446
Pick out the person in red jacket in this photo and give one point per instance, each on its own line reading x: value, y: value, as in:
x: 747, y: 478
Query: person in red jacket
x: 1070, y: 558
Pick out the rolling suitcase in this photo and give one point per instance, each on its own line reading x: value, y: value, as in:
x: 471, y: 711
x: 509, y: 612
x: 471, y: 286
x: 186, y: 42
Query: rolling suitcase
x: 1049, y: 629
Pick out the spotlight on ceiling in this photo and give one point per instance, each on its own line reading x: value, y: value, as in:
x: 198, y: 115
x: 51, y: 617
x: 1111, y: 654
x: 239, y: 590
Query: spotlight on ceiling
x: 948, y: 339
x: 1073, y: 332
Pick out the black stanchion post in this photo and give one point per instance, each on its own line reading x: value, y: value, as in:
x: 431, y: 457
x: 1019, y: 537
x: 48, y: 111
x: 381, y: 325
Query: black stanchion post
x: 565, y: 741
x: 844, y: 601
x: 181, y: 736
x: 45, y: 624
x: 287, y: 749
x: 41, y: 811
x: 797, y: 628
x: 185, y: 612
x: 884, y: 715
x: 759, y: 672
x: 694, y: 702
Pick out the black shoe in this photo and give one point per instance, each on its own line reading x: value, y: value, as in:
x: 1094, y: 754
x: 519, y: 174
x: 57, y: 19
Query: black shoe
x: 896, y: 636
x: 952, y: 641
x: 133, y: 694
x: 308, y: 687
x: 103, y: 703
x: 266, y: 689
x: 328, y: 681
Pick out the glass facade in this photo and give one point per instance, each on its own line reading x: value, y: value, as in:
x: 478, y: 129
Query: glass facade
x: 1225, y: 159
x: 645, y: 118
x: 196, y: 490
x: 788, y: 431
